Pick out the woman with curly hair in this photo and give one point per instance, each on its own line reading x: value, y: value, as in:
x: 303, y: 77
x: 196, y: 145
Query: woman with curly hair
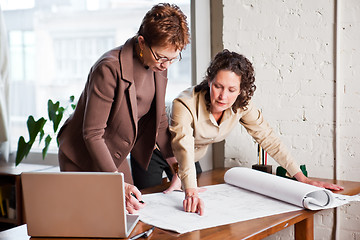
x: 208, y: 112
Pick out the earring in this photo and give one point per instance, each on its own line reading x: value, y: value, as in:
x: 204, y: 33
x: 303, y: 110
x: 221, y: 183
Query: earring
x: 141, y: 53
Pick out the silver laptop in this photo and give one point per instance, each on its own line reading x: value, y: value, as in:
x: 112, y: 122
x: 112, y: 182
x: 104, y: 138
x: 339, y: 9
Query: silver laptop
x: 76, y: 204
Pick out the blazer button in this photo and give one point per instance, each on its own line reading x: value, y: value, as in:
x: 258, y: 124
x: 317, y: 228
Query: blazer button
x: 117, y: 155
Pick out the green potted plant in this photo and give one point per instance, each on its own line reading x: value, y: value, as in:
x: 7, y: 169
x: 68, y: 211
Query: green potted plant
x: 55, y: 115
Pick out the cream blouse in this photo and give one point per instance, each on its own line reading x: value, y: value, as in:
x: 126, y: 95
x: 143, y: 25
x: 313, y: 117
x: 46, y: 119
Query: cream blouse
x: 193, y: 128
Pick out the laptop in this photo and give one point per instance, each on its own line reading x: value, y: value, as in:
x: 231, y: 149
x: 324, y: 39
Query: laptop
x: 76, y: 204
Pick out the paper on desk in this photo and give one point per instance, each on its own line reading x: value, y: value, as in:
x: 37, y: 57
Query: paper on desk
x: 226, y: 203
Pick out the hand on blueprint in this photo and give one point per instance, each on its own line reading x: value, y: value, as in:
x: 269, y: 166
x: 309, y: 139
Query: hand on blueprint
x: 133, y: 199
x: 326, y: 185
x: 175, y: 185
x: 302, y: 178
x: 192, y: 202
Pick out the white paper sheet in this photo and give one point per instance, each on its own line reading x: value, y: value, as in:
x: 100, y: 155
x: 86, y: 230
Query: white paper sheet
x: 226, y: 203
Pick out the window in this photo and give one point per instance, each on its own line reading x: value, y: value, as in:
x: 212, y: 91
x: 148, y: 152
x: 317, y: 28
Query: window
x: 53, y: 45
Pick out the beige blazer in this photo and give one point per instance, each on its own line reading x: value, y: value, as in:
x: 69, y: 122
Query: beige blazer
x: 194, y: 128
x: 104, y: 129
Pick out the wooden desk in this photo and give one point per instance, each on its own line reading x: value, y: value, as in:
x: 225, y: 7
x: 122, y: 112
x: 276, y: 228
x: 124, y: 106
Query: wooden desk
x: 252, y: 229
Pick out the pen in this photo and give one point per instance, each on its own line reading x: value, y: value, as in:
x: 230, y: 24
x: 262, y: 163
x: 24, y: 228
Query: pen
x: 132, y: 194
x: 143, y: 234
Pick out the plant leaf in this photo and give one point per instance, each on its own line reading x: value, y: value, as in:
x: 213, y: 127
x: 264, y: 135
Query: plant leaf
x: 58, y: 118
x: 42, y: 133
x: 24, y: 147
x: 55, y: 114
x: 22, y: 150
x: 47, y: 144
x: 52, y: 109
x: 34, y: 128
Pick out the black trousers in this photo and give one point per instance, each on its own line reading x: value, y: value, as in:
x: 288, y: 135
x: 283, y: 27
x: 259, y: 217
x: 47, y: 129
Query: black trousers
x: 154, y: 174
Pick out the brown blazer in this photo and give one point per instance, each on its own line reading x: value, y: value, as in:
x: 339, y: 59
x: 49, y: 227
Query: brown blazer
x: 104, y: 129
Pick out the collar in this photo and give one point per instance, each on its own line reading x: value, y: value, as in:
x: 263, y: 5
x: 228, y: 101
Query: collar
x: 126, y: 59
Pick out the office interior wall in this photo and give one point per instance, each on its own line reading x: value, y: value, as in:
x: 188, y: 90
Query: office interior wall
x: 201, y: 54
x: 302, y: 70
x: 216, y: 19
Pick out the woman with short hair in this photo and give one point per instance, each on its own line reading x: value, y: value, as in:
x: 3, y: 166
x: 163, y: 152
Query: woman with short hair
x: 121, y: 110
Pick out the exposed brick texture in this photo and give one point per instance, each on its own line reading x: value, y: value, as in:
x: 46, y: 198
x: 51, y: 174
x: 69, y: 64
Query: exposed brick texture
x: 292, y: 46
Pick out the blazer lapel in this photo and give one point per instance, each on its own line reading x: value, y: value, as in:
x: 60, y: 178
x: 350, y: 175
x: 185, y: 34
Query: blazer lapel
x: 160, y: 90
x: 127, y: 66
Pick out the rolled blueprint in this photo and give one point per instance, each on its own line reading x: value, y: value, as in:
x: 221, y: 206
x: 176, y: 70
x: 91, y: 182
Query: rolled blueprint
x: 287, y: 190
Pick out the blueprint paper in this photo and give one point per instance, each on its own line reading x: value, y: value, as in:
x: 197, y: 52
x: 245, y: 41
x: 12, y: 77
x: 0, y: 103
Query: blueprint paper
x: 227, y: 203
x: 224, y: 204
x: 294, y: 192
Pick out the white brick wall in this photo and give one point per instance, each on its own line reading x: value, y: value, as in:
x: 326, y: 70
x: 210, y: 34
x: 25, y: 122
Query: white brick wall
x: 292, y: 46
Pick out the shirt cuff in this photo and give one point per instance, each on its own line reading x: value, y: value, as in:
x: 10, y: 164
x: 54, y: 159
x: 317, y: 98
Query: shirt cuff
x: 188, y: 181
x: 293, y: 169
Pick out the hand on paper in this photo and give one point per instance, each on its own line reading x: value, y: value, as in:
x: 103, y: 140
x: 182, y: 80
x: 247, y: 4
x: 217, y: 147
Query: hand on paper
x: 133, y: 199
x: 302, y: 178
x: 326, y: 185
x: 192, y: 202
x: 175, y: 185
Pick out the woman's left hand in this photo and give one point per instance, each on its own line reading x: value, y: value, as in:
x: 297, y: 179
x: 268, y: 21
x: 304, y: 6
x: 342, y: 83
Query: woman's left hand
x: 192, y: 202
x: 175, y: 184
x: 326, y: 185
x: 302, y: 178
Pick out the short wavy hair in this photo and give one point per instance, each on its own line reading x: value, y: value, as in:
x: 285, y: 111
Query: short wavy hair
x: 165, y: 24
x: 238, y: 64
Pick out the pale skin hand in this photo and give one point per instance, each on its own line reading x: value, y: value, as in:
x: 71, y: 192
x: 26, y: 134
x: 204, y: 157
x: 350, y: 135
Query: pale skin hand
x: 133, y: 205
x: 302, y: 178
x: 192, y: 202
x: 175, y: 184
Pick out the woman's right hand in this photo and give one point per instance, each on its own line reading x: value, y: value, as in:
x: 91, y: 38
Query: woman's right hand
x: 133, y: 199
x: 192, y: 202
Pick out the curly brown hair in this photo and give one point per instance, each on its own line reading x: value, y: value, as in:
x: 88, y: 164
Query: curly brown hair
x: 165, y: 24
x: 238, y: 64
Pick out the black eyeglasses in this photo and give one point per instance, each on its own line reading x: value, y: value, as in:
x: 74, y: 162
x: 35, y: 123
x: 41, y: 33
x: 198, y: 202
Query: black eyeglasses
x: 165, y: 59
